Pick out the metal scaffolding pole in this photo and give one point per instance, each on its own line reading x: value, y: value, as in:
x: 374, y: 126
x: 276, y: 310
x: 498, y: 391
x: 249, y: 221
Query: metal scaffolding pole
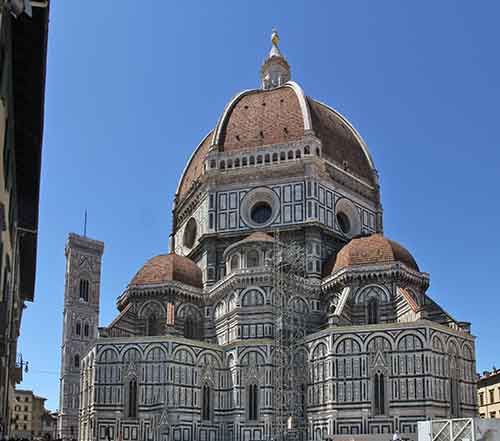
x: 289, y: 360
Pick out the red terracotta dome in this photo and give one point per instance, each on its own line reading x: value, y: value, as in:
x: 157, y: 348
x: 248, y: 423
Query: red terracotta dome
x: 166, y: 268
x: 371, y: 250
x: 257, y: 118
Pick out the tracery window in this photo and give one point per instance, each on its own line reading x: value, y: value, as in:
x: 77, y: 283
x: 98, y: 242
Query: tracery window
x: 84, y: 290
x: 372, y: 311
x: 152, y: 325
x: 253, y: 401
x: 206, y: 395
x: 132, y: 398
x: 191, y: 329
x: 379, y: 394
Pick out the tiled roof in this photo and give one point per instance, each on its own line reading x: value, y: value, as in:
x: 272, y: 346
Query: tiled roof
x: 166, y: 268
x: 265, y: 117
x: 194, y: 168
x: 258, y: 236
x: 373, y: 249
x: 339, y: 144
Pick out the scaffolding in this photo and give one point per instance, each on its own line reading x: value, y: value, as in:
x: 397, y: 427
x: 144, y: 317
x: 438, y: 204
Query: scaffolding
x: 290, y: 326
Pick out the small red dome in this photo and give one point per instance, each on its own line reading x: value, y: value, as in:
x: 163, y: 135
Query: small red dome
x: 373, y: 249
x: 166, y: 268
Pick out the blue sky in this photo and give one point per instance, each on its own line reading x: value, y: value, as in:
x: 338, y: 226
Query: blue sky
x: 132, y: 88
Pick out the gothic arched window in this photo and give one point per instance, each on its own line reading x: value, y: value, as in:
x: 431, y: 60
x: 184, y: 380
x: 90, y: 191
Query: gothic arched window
x: 372, y: 311
x: 379, y: 394
x: 78, y: 329
x: 253, y: 402
x: 189, y: 327
x: 152, y: 325
x: 132, y: 398
x: 84, y: 290
x: 86, y: 329
x: 76, y: 361
x: 205, y: 412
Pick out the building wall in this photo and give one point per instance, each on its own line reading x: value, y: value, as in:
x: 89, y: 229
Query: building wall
x: 22, y: 415
x: 488, y: 395
x: 21, y: 113
x: 340, y: 363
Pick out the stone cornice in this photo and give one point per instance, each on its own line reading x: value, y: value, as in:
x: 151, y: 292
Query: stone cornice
x: 84, y: 243
x: 384, y: 327
x: 169, y: 289
x: 383, y: 272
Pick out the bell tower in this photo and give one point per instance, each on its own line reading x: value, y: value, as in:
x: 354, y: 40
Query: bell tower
x: 80, y: 321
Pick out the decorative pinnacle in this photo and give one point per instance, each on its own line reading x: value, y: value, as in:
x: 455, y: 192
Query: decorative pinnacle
x: 275, y: 39
x: 275, y: 70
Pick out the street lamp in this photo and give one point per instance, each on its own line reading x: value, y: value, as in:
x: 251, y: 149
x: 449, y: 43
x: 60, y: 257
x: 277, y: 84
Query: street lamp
x: 20, y: 363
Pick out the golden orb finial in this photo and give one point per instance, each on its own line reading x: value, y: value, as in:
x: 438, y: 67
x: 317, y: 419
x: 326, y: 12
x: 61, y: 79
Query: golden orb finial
x: 274, y: 37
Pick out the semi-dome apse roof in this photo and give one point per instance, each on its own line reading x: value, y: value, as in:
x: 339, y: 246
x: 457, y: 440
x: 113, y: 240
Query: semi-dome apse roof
x: 373, y: 249
x: 166, y: 268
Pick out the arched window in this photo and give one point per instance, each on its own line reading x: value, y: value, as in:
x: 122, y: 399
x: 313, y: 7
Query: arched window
x: 275, y: 157
x: 317, y: 151
x: 76, y: 361
x: 84, y: 290
x: 86, y: 330
x: 244, y: 162
x: 205, y: 412
x: 252, y: 298
x: 252, y: 160
x: 252, y: 259
x: 235, y: 262
x: 298, y: 154
x: 132, y: 398
x: 372, y: 311
x: 290, y: 154
x: 253, y: 402
x: 307, y: 150
x: 152, y: 325
x: 379, y: 394
x: 190, y: 328
x: 282, y: 156
x: 78, y: 329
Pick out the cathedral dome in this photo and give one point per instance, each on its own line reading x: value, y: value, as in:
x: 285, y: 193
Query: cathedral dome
x: 166, y: 268
x: 280, y: 113
x: 373, y: 249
